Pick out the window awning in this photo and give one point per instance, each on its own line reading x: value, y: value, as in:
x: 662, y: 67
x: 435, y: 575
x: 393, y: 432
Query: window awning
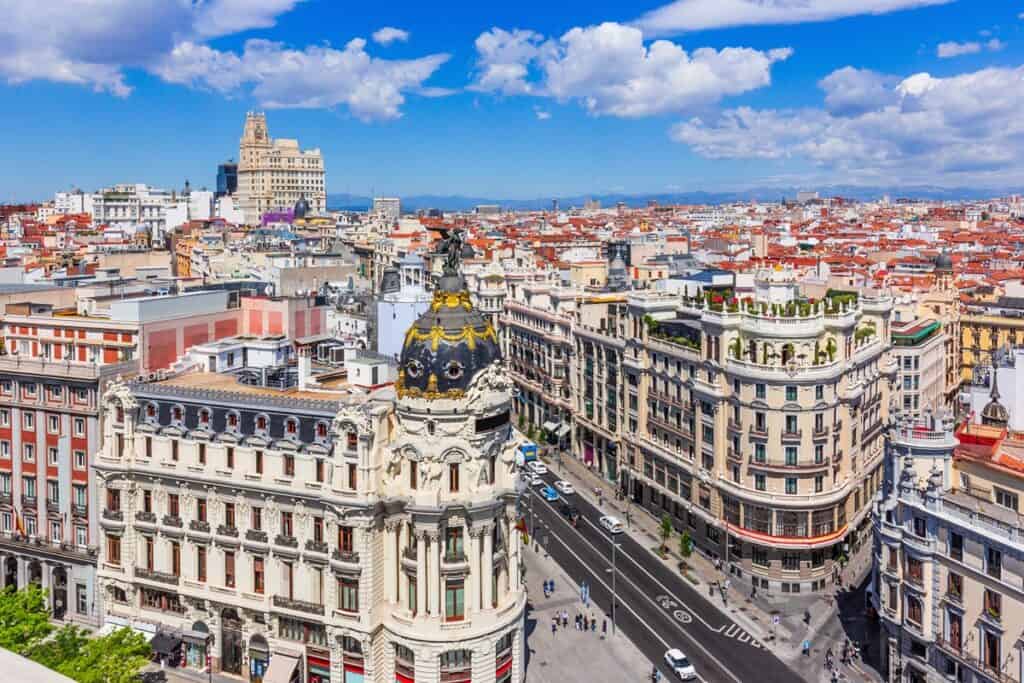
x: 550, y: 426
x: 164, y: 643
x: 563, y: 431
x: 281, y: 668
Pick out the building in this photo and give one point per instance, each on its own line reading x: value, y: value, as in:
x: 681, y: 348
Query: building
x: 388, y: 208
x: 129, y: 208
x: 227, y: 178
x: 401, y: 301
x: 756, y: 424
x: 287, y: 526
x: 947, y: 565
x: 74, y: 202
x: 274, y: 174
x: 919, y: 347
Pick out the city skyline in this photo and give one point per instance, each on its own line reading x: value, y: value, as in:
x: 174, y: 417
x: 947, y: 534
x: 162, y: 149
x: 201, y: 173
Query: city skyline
x: 520, y: 102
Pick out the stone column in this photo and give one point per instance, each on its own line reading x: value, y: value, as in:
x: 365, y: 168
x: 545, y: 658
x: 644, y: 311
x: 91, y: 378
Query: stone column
x: 488, y: 568
x: 391, y: 561
x: 434, y: 571
x: 513, y: 555
x: 473, y: 584
x: 421, y: 573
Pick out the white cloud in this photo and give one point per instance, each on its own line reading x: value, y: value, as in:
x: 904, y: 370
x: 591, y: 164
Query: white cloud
x: 73, y: 42
x: 316, y: 77
x: 696, y: 15
x: 953, y: 49
x: 850, y: 91
x: 965, y: 127
x: 389, y: 34
x: 610, y: 71
x: 542, y: 114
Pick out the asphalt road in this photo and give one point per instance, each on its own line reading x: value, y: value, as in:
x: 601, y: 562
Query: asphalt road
x: 656, y: 607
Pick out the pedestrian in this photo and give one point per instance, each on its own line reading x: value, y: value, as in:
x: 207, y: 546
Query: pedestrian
x: 554, y: 627
x: 753, y: 591
x: 593, y: 625
x: 577, y: 621
x: 586, y: 624
x: 604, y: 629
x: 565, y: 619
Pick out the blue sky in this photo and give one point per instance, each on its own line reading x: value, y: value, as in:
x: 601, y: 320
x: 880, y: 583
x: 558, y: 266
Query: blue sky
x: 518, y: 100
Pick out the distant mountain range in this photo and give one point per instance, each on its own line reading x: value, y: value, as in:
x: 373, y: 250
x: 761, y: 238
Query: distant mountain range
x: 350, y: 202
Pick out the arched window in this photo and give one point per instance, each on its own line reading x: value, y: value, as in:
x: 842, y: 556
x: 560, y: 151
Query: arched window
x: 351, y: 440
x: 204, y: 416
x: 262, y: 421
x: 291, y: 426
x: 151, y: 412
x: 232, y: 421
x: 321, y: 430
x: 177, y: 413
x: 456, y: 665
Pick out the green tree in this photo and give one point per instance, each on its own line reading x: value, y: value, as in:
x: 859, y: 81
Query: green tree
x: 685, y: 547
x: 114, y: 658
x: 666, y: 531
x: 24, y: 618
x: 65, y: 645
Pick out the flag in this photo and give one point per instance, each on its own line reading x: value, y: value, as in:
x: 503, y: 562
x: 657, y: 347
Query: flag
x: 521, y: 525
x: 18, y: 524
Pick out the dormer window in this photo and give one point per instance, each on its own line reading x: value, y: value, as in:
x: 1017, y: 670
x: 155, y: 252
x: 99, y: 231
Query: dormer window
x: 204, y: 416
x: 261, y: 423
x: 119, y: 412
x: 291, y: 426
x: 177, y: 413
x: 351, y: 440
x: 232, y: 421
x: 321, y: 430
x: 151, y: 411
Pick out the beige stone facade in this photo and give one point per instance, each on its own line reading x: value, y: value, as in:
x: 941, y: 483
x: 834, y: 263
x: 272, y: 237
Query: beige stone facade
x: 274, y: 174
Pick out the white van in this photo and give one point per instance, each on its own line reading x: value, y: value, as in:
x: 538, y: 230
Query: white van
x: 611, y: 524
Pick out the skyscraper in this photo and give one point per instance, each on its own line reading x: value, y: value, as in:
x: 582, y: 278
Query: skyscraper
x: 227, y: 178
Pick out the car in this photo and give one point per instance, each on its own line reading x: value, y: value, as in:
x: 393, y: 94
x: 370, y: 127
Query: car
x: 681, y: 665
x: 565, y: 488
x: 570, y: 511
x: 537, y: 467
x: 611, y: 524
x: 549, y: 494
x: 537, y: 481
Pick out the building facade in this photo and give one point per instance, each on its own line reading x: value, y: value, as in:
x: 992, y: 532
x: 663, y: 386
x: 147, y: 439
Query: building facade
x: 274, y: 174
x: 276, y: 532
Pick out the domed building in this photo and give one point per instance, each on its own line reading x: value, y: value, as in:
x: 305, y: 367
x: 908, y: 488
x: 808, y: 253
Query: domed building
x: 321, y: 534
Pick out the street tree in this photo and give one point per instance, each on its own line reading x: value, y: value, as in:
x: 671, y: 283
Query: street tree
x: 24, y: 619
x: 685, y: 547
x: 113, y: 658
x: 666, y: 532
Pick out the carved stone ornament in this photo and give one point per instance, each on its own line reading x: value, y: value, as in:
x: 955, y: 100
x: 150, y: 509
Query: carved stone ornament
x: 120, y: 392
x: 351, y: 415
x: 493, y: 378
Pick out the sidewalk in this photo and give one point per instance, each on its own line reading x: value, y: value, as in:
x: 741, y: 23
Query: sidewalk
x: 755, y: 615
x: 568, y: 654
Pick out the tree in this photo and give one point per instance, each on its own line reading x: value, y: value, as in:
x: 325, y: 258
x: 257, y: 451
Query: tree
x: 24, y: 618
x: 65, y: 645
x: 685, y: 547
x: 114, y: 658
x: 666, y: 531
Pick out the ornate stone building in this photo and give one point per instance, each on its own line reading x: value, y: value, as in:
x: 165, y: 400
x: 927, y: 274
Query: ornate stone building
x: 347, y: 536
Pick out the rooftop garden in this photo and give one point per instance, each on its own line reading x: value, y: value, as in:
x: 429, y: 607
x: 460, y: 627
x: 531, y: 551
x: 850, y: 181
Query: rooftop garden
x: 727, y: 302
x: 659, y: 330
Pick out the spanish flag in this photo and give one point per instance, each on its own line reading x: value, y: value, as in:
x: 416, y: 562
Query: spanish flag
x: 521, y: 525
x: 18, y: 524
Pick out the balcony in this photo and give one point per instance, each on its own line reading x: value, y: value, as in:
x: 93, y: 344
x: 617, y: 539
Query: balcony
x: 113, y: 515
x: 79, y: 510
x: 734, y: 455
x: 256, y: 535
x: 145, y: 517
x: 286, y: 541
x: 915, y: 578
x: 28, y: 501
x: 956, y: 650
x: 172, y: 520
x: 408, y: 553
x: 297, y: 605
x: 153, y: 575
x: 758, y: 431
x: 782, y: 465
x: 225, y: 530
x: 202, y: 526
x: 52, y: 505
x: 734, y: 426
x: 820, y: 432
x: 351, y: 557
x: 5, y: 498
x: 792, y: 435
x: 316, y: 547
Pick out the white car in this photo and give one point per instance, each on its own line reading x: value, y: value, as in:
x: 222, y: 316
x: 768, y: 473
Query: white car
x: 537, y: 467
x: 536, y: 481
x: 612, y: 524
x: 565, y: 488
x: 681, y: 665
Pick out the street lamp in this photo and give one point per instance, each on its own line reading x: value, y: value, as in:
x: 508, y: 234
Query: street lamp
x: 615, y: 546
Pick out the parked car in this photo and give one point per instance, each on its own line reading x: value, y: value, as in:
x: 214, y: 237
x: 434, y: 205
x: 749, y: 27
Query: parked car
x: 680, y: 664
x: 537, y: 467
x: 565, y: 488
x: 611, y: 524
x: 535, y: 480
x: 549, y: 494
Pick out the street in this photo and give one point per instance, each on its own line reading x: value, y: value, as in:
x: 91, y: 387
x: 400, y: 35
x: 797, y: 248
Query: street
x: 657, y: 608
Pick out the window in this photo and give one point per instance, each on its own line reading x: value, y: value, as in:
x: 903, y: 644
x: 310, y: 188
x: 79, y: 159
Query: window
x: 411, y: 596
x: 321, y: 430
x: 5, y: 450
x: 348, y: 595
x: 79, y: 494
x: 453, y: 548
x: 791, y: 561
x: 819, y: 392
x: 759, y: 556
x: 1006, y: 498
x: 81, y: 599
x: 113, y: 550
x: 201, y: 509
x: 174, y: 450
x: 994, y: 563
x: 229, y: 458
x: 790, y: 393
x: 261, y: 423
x: 759, y: 482
x: 956, y: 546
x: 113, y: 499
x: 28, y: 421
x: 200, y: 564
x: 454, y: 600
x: 81, y: 536
x: 229, y: 569
x: 259, y: 462
x: 172, y: 505
x: 52, y: 424
x: 453, y: 477
x: 954, y: 585
x: 79, y: 426
x: 345, y: 539
x: 229, y: 515
x: 914, y: 610
x: 286, y: 523
x: 201, y: 453
x: 51, y: 455
x: 29, y: 452
x: 55, y: 532
x: 791, y: 424
x: 175, y: 558
x: 319, y: 465
x: 819, y: 454
x: 147, y: 501
x: 759, y: 391
x: 759, y: 452
x: 257, y: 518
x: 790, y: 456
x: 791, y: 486
x: 920, y: 527
x: 289, y: 465
x: 352, y: 476
x: 257, y: 574
x: 291, y: 426
x: 204, y: 416
x: 993, y: 604
x: 79, y: 460
x: 5, y: 483
x: 149, y: 553
x: 413, y: 472
x: 819, y: 483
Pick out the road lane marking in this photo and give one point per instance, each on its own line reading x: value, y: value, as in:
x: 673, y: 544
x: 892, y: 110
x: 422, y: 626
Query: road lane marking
x: 640, y: 591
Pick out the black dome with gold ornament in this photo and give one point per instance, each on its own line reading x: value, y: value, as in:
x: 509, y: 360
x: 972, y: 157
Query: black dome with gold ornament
x: 450, y: 342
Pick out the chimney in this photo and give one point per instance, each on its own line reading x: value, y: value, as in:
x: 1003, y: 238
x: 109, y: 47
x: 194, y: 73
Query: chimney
x: 305, y: 366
